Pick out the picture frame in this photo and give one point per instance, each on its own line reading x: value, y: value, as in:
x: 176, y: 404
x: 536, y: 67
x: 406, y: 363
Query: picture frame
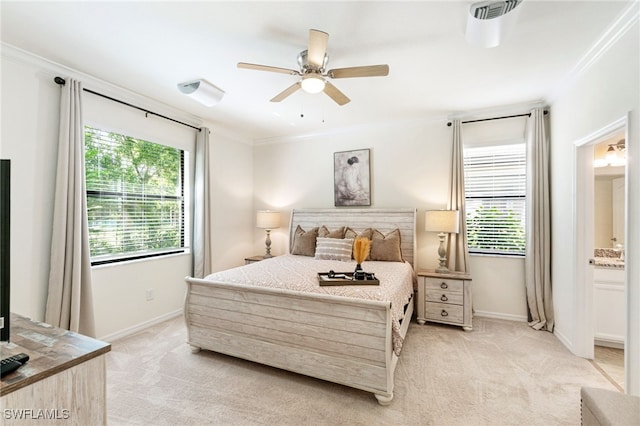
x: 352, y: 178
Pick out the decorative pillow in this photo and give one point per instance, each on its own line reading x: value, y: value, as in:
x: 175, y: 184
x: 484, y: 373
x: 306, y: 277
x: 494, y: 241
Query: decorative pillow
x: 304, y: 243
x: 350, y: 233
x: 386, y: 247
x: 334, y: 249
x: 325, y: 233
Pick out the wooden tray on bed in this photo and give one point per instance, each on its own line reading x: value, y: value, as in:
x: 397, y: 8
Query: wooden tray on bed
x: 346, y: 278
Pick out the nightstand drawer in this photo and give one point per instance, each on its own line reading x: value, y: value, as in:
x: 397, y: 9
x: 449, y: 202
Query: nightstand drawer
x: 444, y: 284
x: 444, y: 312
x: 445, y: 296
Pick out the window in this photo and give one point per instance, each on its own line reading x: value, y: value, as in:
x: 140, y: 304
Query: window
x: 495, y: 198
x: 135, y: 197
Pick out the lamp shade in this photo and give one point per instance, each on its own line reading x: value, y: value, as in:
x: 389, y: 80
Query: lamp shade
x: 441, y: 221
x: 268, y: 219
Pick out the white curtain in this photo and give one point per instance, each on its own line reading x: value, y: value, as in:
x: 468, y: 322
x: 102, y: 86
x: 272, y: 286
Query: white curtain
x: 457, y: 248
x: 201, y: 243
x: 70, y: 298
x: 538, y: 247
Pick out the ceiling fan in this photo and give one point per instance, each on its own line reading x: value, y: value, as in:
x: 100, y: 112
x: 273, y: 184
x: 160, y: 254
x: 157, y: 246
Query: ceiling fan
x: 312, y: 63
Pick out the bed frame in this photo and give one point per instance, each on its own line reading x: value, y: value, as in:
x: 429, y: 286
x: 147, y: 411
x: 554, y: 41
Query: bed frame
x: 338, y: 339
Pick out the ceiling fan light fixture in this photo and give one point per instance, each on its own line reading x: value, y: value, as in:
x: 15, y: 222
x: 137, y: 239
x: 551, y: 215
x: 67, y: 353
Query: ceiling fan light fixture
x: 313, y: 83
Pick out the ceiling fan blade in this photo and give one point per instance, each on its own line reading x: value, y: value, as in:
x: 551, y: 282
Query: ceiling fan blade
x: 335, y: 94
x: 287, y: 92
x: 267, y: 68
x: 317, y: 47
x: 366, y: 71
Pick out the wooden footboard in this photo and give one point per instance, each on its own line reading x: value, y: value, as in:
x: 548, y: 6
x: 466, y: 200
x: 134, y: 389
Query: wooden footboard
x: 333, y: 338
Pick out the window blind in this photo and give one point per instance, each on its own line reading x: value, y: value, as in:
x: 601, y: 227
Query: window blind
x: 495, y: 198
x: 135, y: 197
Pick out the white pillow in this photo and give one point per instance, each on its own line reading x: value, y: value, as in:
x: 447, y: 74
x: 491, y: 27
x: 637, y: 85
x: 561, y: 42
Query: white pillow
x: 334, y: 249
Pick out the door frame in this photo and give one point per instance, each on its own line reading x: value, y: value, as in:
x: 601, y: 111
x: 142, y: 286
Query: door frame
x: 584, y: 233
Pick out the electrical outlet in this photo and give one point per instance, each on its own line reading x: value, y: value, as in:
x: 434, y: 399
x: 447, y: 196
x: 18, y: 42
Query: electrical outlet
x: 150, y: 294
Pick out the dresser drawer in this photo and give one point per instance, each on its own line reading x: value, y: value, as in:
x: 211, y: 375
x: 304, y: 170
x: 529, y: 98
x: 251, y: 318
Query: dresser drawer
x: 444, y: 296
x: 444, y: 312
x: 444, y: 284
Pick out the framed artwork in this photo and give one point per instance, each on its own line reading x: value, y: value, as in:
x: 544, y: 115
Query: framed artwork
x: 351, y: 178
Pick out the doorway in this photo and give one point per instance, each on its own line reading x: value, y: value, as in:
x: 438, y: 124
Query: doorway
x: 599, y: 285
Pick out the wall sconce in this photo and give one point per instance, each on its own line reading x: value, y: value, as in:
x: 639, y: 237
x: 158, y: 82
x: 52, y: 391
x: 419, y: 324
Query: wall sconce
x: 611, y: 157
x: 268, y: 220
x: 442, y: 222
x: 202, y: 91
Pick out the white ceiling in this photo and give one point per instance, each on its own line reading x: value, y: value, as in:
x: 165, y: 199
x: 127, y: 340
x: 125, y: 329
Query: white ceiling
x: 149, y: 47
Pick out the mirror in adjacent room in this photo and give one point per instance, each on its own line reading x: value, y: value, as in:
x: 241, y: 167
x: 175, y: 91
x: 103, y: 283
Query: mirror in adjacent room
x: 609, y: 194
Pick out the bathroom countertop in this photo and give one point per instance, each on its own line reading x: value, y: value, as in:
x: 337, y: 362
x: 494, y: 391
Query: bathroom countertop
x: 607, y: 262
x: 607, y: 258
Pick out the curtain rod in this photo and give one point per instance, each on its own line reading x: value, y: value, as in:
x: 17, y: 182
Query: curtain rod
x: 497, y: 118
x: 61, y: 81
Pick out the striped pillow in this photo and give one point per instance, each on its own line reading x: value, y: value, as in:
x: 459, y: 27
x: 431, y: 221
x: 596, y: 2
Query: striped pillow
x: 334, y: 249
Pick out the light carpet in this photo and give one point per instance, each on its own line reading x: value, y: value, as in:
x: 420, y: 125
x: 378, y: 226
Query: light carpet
x: 501, y: 373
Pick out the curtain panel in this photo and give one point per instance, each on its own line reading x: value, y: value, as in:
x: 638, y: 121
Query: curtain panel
x: 457, y: 247
x: 538, y: 213
x: 201, y: 243
x: 70, y: 296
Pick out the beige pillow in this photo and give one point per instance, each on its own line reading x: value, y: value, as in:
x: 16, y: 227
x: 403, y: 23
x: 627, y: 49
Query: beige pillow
x: 325, y: 233
x: 304, y: 243
x: 350, y: 233
x: 386, y: 247
x: 334, y: 249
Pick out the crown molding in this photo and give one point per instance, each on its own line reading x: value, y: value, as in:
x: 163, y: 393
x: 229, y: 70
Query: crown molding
x: 618, y: 28
x: 51, y: 69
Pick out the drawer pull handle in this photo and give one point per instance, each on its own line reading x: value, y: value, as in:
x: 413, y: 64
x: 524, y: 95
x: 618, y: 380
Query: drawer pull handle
x: 444, y: 313
x: 444, y: 298
x: 444, y: 286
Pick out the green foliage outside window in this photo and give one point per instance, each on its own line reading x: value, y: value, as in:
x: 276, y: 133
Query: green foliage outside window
x: 493, y: 230
x: 134, y: 194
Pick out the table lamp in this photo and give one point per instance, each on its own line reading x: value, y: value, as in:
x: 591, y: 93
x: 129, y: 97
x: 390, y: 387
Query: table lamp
x: 268, y: 220
x: 442, y: 222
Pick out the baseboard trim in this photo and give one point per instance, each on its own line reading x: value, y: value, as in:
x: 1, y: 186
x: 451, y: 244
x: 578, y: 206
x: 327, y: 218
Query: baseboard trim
x: 498, y: 315
x: 139, y: 327
x: 563, y: 339
x: 616, y: 344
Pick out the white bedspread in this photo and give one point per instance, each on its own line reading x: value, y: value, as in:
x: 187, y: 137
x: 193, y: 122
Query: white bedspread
x: 300, y: 273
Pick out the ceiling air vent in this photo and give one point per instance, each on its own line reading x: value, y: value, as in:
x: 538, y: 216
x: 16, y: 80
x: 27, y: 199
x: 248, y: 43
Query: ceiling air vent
x: 489, y: 22
x: 493, y: 9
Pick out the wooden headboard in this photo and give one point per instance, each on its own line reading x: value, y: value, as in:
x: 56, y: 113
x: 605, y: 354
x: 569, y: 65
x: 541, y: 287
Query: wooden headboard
x: 384, y: 220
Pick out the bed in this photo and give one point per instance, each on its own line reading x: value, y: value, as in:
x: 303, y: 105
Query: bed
x: 275, y: 313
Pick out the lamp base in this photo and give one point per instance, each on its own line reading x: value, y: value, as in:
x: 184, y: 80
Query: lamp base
x: 442, y: 253
x: 267, y: 245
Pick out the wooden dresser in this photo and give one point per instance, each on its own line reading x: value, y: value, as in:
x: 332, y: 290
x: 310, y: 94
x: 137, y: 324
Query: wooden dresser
x: 444, y: 298
x: 64, y: 381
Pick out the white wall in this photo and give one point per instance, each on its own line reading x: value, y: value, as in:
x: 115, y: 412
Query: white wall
x: 410, y: 165
x: 601, y: 94
x: 29, y: 138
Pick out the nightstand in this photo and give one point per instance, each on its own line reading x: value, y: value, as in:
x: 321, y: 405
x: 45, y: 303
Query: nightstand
x: 252, y: 259
x: 444, y: 298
